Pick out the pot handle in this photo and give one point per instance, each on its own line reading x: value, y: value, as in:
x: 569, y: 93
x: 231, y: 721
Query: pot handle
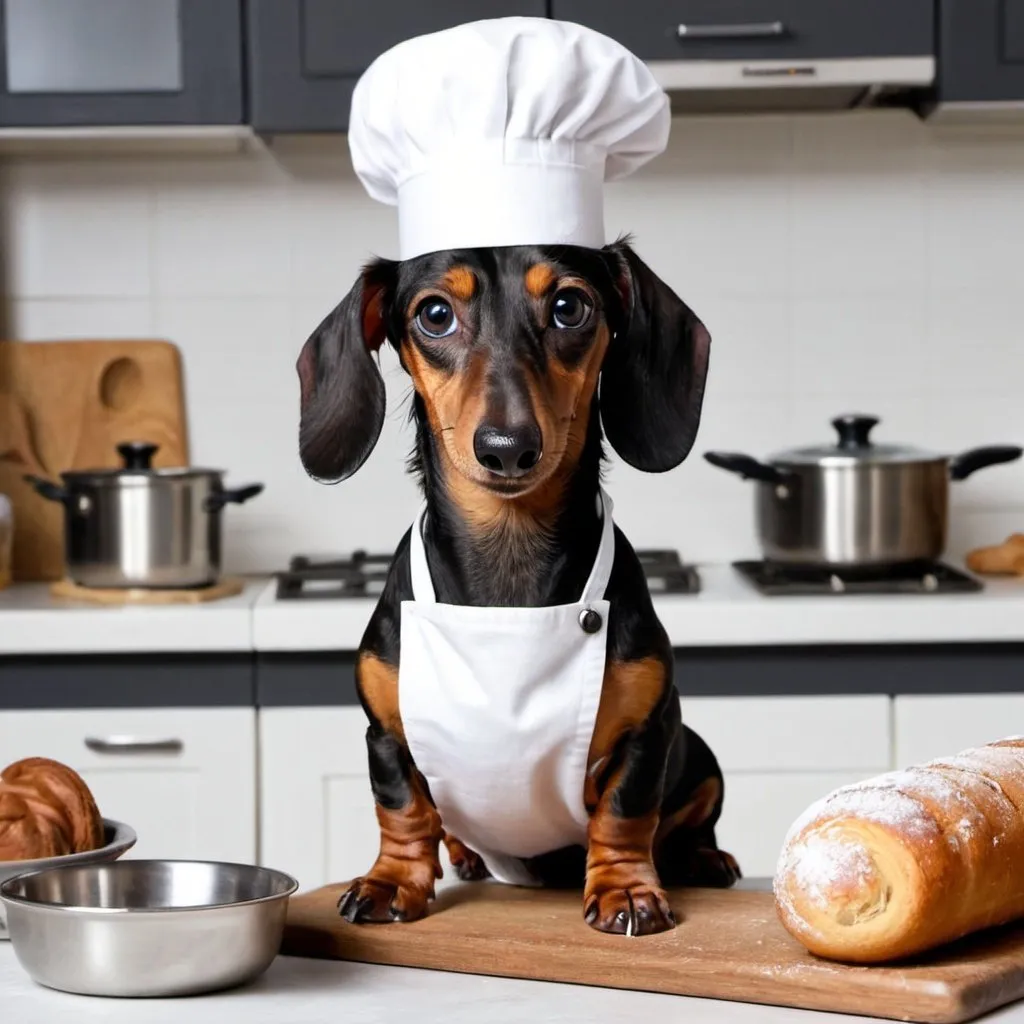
x: 215, y: 502
x: 746, y: 467
x: 963, y: 465
x: 47, y: 489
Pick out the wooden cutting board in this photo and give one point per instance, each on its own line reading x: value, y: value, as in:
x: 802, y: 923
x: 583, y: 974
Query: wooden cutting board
x: 728, y: 945
x: 67, y: 405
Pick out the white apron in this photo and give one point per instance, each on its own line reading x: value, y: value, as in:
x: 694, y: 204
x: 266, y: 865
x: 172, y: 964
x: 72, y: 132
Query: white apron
x: 498, y: 707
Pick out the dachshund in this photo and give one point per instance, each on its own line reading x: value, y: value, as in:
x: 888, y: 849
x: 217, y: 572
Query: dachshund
x: 523, y: 361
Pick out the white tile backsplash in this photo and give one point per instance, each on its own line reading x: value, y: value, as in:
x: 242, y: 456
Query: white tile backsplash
x: 846, y: 262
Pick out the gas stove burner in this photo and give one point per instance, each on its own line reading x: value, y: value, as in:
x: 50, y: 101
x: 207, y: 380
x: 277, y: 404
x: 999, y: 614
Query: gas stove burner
x: 666, y: 573
x: 918, y: 578
x: 362, y: 575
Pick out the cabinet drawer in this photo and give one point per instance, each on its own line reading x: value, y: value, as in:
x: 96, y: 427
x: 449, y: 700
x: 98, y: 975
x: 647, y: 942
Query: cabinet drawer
x: 306, y: 56
x: 759, y: 29
x: 185, y: 780
x: 927, y: 727
x: 794, y: 733
x: 759, y: 809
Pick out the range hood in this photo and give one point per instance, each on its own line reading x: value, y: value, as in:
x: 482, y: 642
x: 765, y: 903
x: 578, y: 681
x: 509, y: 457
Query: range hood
x: 764, y: 86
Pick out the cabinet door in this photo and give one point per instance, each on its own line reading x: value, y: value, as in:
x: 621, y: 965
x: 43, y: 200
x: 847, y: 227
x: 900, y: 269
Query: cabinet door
x: 779, y: 755
x: 759, y: 29
x: 760, y: 807
x: 305, y: 56
x: 317, y: 818
x: 981, y: 51
x: 120, y: 62
x: 185, y: 780
x: 927, y: 727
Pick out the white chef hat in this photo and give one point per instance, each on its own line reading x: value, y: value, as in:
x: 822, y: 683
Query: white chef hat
x: 502, y: 132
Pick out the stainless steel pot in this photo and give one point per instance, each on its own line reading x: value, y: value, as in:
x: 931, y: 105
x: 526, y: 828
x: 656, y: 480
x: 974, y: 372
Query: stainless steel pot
x: 856, y: 504
x: 137, y: 526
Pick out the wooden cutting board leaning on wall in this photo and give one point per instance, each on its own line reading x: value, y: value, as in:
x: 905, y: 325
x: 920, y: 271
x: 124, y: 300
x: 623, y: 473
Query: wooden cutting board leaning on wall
x: 66, y: 405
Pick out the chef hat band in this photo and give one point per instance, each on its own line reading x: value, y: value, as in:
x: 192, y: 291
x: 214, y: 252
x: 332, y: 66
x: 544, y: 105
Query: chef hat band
x: 503, y: 132
x: 549, y: 202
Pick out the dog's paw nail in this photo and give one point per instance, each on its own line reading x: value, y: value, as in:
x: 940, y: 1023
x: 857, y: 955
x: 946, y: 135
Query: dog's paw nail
x: 397, y: 914
x: 346, y: 899
x: 621, y: 917
x: 670, y: 917
x: 590, y: 914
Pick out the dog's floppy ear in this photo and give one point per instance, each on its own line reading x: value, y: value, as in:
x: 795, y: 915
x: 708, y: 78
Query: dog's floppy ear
x: 652, y: 379
x: 342, y: 391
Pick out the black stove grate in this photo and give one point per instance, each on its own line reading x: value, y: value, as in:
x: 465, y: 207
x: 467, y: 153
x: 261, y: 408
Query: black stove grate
x: 918, y: 578
x: 362, y: 575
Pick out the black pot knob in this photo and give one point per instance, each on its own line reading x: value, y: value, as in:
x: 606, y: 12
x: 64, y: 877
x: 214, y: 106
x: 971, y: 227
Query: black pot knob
x: 853, y: 430
x: 137, y: 454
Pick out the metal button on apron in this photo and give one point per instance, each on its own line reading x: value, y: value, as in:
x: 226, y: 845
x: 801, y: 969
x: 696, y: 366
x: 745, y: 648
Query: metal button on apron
x: 590, y: 621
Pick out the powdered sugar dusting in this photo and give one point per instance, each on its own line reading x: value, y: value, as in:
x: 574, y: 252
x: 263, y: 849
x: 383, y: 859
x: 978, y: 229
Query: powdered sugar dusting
x: 983, y: 763
x: 876, y: 800
x: 823, y: 863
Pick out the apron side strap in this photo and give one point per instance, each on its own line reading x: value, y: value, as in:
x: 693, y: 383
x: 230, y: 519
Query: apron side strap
x: 422, y: 584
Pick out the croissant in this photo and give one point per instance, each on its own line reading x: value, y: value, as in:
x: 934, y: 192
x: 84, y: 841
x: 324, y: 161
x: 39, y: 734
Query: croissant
x: 910, y: 860
x: 46, y: 810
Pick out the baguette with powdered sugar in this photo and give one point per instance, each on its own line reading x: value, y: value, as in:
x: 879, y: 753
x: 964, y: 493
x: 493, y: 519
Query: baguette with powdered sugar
x: 910, y: 860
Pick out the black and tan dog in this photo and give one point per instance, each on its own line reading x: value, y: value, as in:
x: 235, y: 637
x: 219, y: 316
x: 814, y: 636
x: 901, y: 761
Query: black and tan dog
x: 517, y: 357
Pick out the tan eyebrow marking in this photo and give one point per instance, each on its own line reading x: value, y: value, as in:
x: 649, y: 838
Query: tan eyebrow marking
x: 461, y: 282
x: 539, y: 279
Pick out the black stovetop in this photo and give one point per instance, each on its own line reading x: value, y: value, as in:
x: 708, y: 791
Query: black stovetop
x: 362, y: 575
x: 917, y: 578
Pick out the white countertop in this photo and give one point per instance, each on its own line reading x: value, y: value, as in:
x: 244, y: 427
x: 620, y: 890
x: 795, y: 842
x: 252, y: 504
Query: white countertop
x: 323, y: 992
x: 728, y: 611
x: 34, y: 622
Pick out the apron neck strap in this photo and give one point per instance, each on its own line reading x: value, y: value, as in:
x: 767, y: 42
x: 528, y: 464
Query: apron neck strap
x: 423, y: 586
x: 599, y: 575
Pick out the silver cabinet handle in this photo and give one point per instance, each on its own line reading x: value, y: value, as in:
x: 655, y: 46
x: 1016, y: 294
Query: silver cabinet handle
x: 133, y: 745
x: 750, y: 30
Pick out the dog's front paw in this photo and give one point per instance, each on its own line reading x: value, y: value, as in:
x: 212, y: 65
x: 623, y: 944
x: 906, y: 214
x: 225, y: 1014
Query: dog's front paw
x: 634, y: 910
x: 381, y: 901
x: 468, y: 864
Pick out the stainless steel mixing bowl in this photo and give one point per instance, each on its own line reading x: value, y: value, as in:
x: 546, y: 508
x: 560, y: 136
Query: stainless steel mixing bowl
x: 147, y: 927
x: 118, y: 839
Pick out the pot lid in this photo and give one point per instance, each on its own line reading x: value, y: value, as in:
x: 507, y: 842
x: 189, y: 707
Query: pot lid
x: 137, y: 462
x: 854, y: 445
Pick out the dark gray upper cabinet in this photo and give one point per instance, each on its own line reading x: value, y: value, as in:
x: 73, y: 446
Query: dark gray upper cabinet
x: 120, y: 62
x: 981, y: 51
x: 305, y: 56
x: 759, y: 29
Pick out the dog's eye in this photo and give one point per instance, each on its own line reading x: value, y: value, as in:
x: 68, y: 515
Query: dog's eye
x: 436, y: 318
x: 570, y: 309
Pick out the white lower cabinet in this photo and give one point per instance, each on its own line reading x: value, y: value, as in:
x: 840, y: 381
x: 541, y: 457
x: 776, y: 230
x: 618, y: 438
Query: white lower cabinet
x: 185, y: 780
x: 779, y: 755
x: 317, y: 817
x: 759, y: 807
x: 927, y: 727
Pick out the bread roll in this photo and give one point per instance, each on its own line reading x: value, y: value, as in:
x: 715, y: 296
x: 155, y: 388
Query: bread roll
x: 910, y: 860
x: 1006, y: 559
x: 46, y: 810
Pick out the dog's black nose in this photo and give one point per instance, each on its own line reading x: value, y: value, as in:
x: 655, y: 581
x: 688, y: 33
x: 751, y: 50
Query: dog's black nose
x: 511, y: 452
